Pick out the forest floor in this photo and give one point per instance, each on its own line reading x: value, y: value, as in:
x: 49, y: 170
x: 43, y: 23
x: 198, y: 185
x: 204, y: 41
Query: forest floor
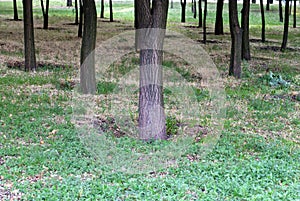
x: 48, y: 152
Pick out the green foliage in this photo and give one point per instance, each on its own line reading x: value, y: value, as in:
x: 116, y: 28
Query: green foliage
x: 105, y: 87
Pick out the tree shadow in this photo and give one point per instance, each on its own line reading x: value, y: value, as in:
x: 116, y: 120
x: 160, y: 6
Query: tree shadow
x: 20, y: 65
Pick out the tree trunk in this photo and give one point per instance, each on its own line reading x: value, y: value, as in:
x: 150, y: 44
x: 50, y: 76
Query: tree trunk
x: 172, y: 4
x: 254, y: 1
x: 195, y: 9
x: 192, y: 8
x: 236, y: 41
x: 286, y: 26
x: 200, y: 13
x: 16, y: 17
x: 245, y: 28
x: 183, y: 7
x: 291, y: 3
x: 102, y: 9
x: 280, y: 11
x: 295, y: 13
x: 87, y: 58
x: 45, y: 13
x: 268, y: 5
x: 76, y: 12
x: 263, y: 22
x: 30, y: 60
x: 204, y: 21
x: 69, y: 3
x: 80, y: 19
x: 111, y: 15
x: 151, y: 22
x: 219, y: 30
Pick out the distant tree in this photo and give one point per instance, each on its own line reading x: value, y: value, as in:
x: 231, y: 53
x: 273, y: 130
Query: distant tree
x: 204, y: 21
x: 263, y: 22
x: 80, y: 18
x: 286, y: 26
x: 30, y: 59
x: 111, y: 15
x: 69, y: 3
x: 102, y: 9
x: 245, y: 28
x: 76, y: 13
x: 280, y: 11
x: 253, y: 1
x: 200, y: 13
x: 153, y: 18
x: 183, y: 7
x: 295, y: 13
x: 192, y: 6
x: 16, y: 17
x: 195, y: 9
x: 45, y: 13
x: 268, y: 5
x: 219, y: 30
x: 236, y: 41
x: 87, y: 57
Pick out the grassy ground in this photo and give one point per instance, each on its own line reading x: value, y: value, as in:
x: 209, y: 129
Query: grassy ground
x: 42, y: 157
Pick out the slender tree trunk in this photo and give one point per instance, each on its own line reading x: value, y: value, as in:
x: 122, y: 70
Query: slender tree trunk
x: 291, y: 4
x: 204, y: 21
x: 268, y: 5
x: 69, y: 3
x: 254, y: 1
x: 76, y: 13
x: 219, y: 30
x: 30, y: 59
x: 192, y: 8
x: 286, y: 26
x: 280, y: 11
x: 263, y: 22
x: 151, y: 20
x: 87, y: 57
x: 183, y: 8
x: 16, y: 17
x: 295, y: 13
x: 45, y: 13
x: 111, y: 15
x: 172, y: 4
x: 195, y: 9
x: 245, y: 28
x: 236, y: 41
x: 200, y: 13
x: 80, y: 25
x: 102, y: 9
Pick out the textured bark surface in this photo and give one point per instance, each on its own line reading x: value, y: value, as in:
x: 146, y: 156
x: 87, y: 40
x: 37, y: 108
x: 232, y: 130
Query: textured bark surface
x: 16, y: 16
x: 286, y: 26
x: 200, y: 13
x: 151, y: 18
x: 236, y: 41
x: 183, y: 8
x: 263, y: 22
x: 87, y: 57
x: 30, y: 59
x: 45, y: 11
x: 245, y: 27
x: 111, y: 14
x: 219, y: 30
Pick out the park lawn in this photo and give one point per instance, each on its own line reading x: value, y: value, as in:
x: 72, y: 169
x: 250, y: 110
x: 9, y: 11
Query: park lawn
x: 43, y: 158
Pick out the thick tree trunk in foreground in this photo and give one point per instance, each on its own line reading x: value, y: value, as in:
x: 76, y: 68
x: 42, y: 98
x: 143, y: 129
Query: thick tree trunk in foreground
x: 183, y: 8
x: 286, y: 26
x: 87, y: 57
x: 245, y: 28
x: 280, y: 11
x: 236, y: 41
x: 102, y: 9
x: 16, y: 16
x: 219, y: 30
x: 200, y: 13
x: 204, y: 21
x: 151, y: 21
x: 45, y: 13
x: 30, y: 60
x: 111, y: 15
x: 263, y: 22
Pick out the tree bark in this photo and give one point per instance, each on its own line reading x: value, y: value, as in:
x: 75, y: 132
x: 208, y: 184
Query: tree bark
x: 236, y: 41
x: 286, y: 26
x: 30, y: 59
x: 219, y: 30
x: 200, y: 14
x: 195, y: 9
x: 102, y: 9
x: 183, y: 8
x: 295, y: 13
x: 245, y: 27
x: 263, y: 22
x: 16, y: 16
x: 280, y: 11
x: 87, y: 58
x: 204, y: 21
x: 111, y: 15
x: 80, y: 19
x: 45, y: 13
x: 76, y: 13
x: 151, y: 25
